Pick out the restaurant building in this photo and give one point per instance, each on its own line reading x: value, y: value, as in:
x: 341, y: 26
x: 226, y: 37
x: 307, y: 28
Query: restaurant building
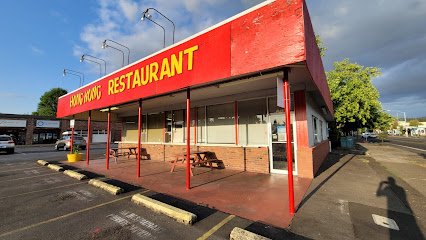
x: 248, y: 89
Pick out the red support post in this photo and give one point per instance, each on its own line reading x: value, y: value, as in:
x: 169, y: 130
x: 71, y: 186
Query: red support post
x: 72, y: 139
x: 164, y: 126
x: 195, y: 125
x: 188, y: 139
x: 289, y: 148
x: 108, y: 138
x: 138, y: 149
x: 236, y: 121
x: 88, y: 138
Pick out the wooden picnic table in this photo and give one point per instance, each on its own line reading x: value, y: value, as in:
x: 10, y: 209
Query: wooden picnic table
x: 116, y: 152
x: 198, y: 158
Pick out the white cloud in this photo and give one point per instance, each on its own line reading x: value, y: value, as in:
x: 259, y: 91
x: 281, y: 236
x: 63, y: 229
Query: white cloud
x: 36, y: 50
x: 120, y: 21
x: 382, y: 34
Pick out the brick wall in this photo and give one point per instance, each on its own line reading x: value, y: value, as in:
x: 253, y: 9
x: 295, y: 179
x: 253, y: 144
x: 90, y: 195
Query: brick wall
x: 319, y: 154
x: 251, y: 159
x: 310, y: 159
x: 304, y: 162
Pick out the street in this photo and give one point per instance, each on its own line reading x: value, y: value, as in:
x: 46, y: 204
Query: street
x: 413, y: 143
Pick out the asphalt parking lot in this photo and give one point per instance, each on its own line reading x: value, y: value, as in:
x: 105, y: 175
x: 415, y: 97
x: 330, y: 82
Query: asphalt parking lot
x: 39, y: 203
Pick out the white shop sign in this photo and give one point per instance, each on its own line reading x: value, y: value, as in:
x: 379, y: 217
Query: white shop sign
x: 47, y: 124
x: 12, y: 123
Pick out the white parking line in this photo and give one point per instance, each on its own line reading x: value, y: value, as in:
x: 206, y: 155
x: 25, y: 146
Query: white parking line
x: 14, y: 170
x: 417, y: 149
x: 65, y: 216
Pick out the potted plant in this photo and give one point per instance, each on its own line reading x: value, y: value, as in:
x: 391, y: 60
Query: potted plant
x: 75, y: 155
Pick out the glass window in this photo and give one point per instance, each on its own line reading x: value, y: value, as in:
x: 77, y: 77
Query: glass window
x: 252, y: 127
x: 201, y: 125
x: 35, y: 138
x: 193, y: 119
x: 131, y: 129
x: 321, y: 127
x: 220, y: 123
x: 178, y: 130
x: 155, y: 127
x: 315, y: 126
x: 272, y: 104
x: 168, y: 126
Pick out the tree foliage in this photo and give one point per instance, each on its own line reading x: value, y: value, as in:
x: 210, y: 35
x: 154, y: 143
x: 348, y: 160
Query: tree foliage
x: 49, y: 102
x: 414, y: 123
x: 355, y: 99
x: 320, y: 45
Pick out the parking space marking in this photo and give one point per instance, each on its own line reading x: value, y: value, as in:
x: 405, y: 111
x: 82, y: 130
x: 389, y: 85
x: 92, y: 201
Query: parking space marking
x: 65, y: 216
x: 82, y: 195
x: 135, y: 223
x: 215, y: 228
x: 14, y: 170
x: 30, y: 172
x: 9, y: 180
x: 42, y: 190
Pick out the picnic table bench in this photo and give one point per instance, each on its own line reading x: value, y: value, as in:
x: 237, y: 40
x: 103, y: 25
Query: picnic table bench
x: 198, y: 158
x: 117, y: 152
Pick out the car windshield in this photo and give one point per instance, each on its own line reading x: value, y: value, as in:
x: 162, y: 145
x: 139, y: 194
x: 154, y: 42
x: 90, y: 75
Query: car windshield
x: 5, y: 139
x: 79, y: 138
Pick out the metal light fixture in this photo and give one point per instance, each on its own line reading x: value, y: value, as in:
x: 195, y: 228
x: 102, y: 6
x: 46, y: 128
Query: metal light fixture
x: 149, y: 16
x: 105, y: 45
x: 75, y: 73
x: 405, y: 117
x: 90, y: 59
x: 109, y: 109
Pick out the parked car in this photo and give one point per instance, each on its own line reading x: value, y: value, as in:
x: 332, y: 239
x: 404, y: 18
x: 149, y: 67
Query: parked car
x: 7, y: 144
x: 64, y: 143
x: 369, y: 135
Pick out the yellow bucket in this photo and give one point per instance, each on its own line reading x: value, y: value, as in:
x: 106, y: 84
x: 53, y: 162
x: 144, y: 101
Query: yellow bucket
x: 74, y: 157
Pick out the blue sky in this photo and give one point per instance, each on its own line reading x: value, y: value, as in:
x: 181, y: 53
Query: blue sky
x: 41, y: 38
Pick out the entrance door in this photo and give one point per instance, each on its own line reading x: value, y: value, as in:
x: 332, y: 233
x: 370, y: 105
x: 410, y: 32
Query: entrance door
x: 277, y: 143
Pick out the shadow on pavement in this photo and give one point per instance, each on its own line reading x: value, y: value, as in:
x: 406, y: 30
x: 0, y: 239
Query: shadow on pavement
x: 330, y: 161
x: 125, y: 186
x: 407, y: 224
x: 272, y: 232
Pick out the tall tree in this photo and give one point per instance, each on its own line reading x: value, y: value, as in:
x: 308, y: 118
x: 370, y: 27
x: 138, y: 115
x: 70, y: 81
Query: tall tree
x: 49, y: 102
x: 355, y: 99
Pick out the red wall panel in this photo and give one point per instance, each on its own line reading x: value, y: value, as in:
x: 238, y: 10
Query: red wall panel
x: 269, y: 37
x: 211, y: 61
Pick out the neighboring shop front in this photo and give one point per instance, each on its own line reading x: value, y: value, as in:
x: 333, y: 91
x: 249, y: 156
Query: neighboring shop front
x: 30, y: 129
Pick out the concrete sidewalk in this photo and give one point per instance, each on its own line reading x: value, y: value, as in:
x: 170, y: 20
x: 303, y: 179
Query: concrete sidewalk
x: 354, y: 188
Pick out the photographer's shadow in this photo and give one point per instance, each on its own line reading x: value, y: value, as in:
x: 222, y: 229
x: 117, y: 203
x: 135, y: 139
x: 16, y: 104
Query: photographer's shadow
x: 406, y: 222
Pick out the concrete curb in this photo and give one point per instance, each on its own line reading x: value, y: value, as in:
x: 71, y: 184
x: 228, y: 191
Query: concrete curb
x: 75, y: 174
x: 241, y: 234
x: 55, y: 167
x: 106, y: 186
x: 160, y: 207
x: 42, y: 162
